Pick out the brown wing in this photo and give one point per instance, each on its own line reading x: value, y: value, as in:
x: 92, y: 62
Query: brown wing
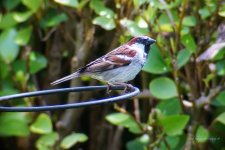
x: 122, y: 56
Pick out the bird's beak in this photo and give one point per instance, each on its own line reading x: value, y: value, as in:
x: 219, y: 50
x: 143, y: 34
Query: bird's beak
x: 152, y: 41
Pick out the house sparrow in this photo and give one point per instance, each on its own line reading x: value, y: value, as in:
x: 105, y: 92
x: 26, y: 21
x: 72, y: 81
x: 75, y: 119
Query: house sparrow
x: 118, y: 66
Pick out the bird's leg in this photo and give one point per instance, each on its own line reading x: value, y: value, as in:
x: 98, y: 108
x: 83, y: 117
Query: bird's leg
x: 109, y: 88
x: 127, y: 86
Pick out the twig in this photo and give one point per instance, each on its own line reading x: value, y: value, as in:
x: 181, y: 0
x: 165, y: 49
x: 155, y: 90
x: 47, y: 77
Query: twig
x: 166, y: 144
x: 136, y: 110
x: 180, y: 23
x: 168, y: 13
x: 201, y: 101
x: 84, y: 39
x: 122, y: 110
x: 158, y: 140
x: 52, y: 30
x: 189, y: 140
x: 145, y: 94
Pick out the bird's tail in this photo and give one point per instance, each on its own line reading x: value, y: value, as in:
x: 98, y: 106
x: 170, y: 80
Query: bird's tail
x: 66, y: 78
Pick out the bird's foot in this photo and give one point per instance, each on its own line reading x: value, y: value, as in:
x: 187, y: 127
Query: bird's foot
x: 109, y: 88
x: 127, y: 87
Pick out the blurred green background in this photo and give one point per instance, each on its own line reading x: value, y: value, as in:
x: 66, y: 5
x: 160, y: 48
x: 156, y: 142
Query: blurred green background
x: 182, y: 99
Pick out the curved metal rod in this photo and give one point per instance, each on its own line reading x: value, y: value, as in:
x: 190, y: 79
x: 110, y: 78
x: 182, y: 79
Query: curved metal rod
x: 133, y: 92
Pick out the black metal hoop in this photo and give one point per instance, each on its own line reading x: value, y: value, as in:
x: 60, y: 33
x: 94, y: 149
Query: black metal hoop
x: 131, y: 93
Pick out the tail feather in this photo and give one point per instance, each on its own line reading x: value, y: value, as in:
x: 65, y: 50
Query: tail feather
x: 66, y: 78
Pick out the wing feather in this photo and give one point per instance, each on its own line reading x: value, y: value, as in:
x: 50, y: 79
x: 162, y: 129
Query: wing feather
x: 122, y: 56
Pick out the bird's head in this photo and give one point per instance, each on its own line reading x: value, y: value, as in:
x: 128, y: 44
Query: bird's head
x: 142, y: 42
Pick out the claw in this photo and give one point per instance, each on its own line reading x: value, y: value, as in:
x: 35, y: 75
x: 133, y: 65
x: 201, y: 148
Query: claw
x: 127, y: 87
x: 109, y: 88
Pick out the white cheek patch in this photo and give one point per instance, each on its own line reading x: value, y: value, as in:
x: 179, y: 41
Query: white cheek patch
x: 124, y: 57
x: 139, y: 48
x: 141, y: 55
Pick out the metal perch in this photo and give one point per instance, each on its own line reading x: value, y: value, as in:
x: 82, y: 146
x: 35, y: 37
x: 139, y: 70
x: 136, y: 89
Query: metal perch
x: 131, y: 93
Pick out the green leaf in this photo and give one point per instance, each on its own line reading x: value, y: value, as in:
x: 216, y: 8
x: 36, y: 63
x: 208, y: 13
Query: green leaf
x: 53, y: 18
x: 150, y: 14
x: 174, y: 124
x: 81, y: 5
x: 8, y: 48
x: 20, y: 75
x: 216, y: 137
x: 138, y: 3
x: 47, y: 141
x: 208, y: 78
x: 9, y: 4
x: 163, y: 88
x: 51, y: 21
x: 204, y: 12
x: 188, y: 41
x: 7, y: 21
x: 208, y: 10
x: 174, y: 4
x: 14, y: 124
x: 183, y: 57
x: 165, y: 22
x: 134, y: 128
x: 42, y: 124
x: 22, y: 16
x: 189, y: 21
x: 19, y: 65
x: 133, y: 27
x: 169, y: 107
x: 32, y: 5
x: 70, y: 3
x: 202, y: 134
x: 217, y: 51
x: 105, y: 23
x: 141, y: 23
x: 155, y: 63
x: 23, y: 36
x: 221, y: 118
x: 220, y: 67
x: 4, y: 70
x: 72, y: 139
x: 118, y: 118
x: 139, y: 143
x: 169, y: 4
x: 37, y: 62
x: 185, y: 30
x: 124, y: 120
x: 8, y: 88
x: 100, y: 9
x: 175, y: 142
x: 222, y: 11
x: 220, y: 99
